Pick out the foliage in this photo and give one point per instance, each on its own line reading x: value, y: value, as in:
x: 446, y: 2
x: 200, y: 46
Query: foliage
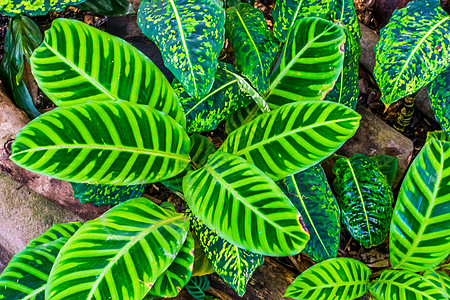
x: 388, y: 165
x: 100, y: 194
x: 197, y: 286
x: 34, y: 8
x: 439, y: 92
x: 107, y: 7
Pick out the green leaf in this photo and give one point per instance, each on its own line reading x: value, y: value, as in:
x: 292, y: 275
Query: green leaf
x: 190, y: 35
x: 439, y: 92
x: 439, y: 279
x: 420, y: 230
x: 225, y: 98
x: 201, y: 149
x: 438, y: 135
x: 56, y: 232
x: 170, y: 283
x: 22, y: 37
x: 346, y: 90
x: 112, y: 142
x: 336, y: 278
x: 286, y: 12
x: 33, y: 7
x: 202, y: 266
x: 119, y: 255
x: 388, y: 165
x: 312, y: 196
x: 244, y: 206
x: 405, y: 285
x: 414, y: 48
x: 309, y: 63
x: 293, y: 137
x: 109, y: 8
x: 242, y: 117
x: 26, y: 275
x: 365, y: 199
x: 197, y: 287
x: 233, y: 264
x: 253, y: 46
x: 100, y: 194
x: 77, y: 63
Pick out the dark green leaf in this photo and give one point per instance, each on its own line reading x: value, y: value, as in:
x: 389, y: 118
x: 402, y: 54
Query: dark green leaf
x: 56, y: 232
x: 439, y: 92
x: 253, y: 46
x: 413, y: 49
x: 388, y: 165
x: 202, y: 266
x: 242, y: 117
x: 190, y: 35
x: 100, y: 194
x: 109, y: 8
x: 365, y: 199
x: 197, y: 286
x: 312, y: 196
x: 33, y: 7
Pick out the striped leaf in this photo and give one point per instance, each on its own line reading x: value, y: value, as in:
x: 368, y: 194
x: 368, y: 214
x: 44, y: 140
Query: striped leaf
x: 109, y: 8
x: 309, y: 63
x: 56, y: 232
x: 233, y: 264
x: 336, y: 278
x: 170, y: 283
x: 242, y: 117
x: 197, y: 287
x: 190, y: 35
x: 388, y: 165
x: 286, y: 12
x: 293, y: 137
x: 119, y: 255
x: 312, y: 196
x: 346, y: 90
x: 202, y: 266
x: 26, y: 275
x: 253, y: 46
x: 365, y: 199
x: 420, y: 230
x: 225, y: 98
x: 438, y: 135
x: 244, y: 206
x: 405, y: 285
x: 100, y: 194
x: 77, y: 63
x: 33, y: 7
x: 414, y: 48
x: 112, y: 142
x: 439, y: 279
x: 439, y: 92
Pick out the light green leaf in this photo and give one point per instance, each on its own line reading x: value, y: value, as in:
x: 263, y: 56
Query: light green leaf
x: 440, y: 279
x: 405, y: 285
x: 77, y: 63
x: 33, y: 7
x: 294, y: 137
x: 242, y: 117
x: 336, y: 278
x: 197, y: 287
x: 438, y: 135
x: 286, y: 12
x: 190, y: 35
x: 119, y: 255
x: 439, y: 92
x: 112, y: 142
x: 312, y: 196
x: 56, y: 232
x: 253, y: 46
x: 100, y: 194
x: 110, y: 8
x: 420, y: 230
x: 414, y: 48
x: 309, y: 63
x: 244, y: 206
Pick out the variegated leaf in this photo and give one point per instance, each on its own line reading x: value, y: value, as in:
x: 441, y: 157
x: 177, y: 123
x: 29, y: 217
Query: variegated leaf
x: 253, y: 46
x: 440, y: 279
x: 202, y: 266
x: 56, y: 232
x: 190, y: 35
x: 109, y: 8
x: 414, y: 48
x: 439, y: 92
x: 33, y: 7
x: 100, y: 194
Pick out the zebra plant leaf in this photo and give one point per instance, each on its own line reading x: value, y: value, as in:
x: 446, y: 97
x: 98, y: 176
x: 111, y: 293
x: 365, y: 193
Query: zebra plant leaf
x: 365, y: 199
x: 197, y: 287
x: 225, y: 98
x: 120, y: 255
x: 312, y: 196
x: 405, y: 285
x: 420, y: 230
x: 112, y: 142
x: 56, y: 232
x: 242, y: 117
x: 170, y: 283
x: 244, y: 206
x: 439, y: 279
x: 233, y: 264
x: 190, y: 35
x: 414, y: 48
x: 309, y: 63
x: 202, y: 266
x: 26, y: 275
x: 77, y: 63
x: 346, y: 90
x: 253, y: 46
x: 110, y: 8
x: 294, y: 137
x: 438, y: 135
x: 439, y: 92
x: 336, y: 278
x: 100, y: 194
x: 286, y: 12
x: 33, y: 7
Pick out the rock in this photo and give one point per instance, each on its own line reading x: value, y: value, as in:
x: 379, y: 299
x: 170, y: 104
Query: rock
x: 5, y: 257
x: 422, y: 103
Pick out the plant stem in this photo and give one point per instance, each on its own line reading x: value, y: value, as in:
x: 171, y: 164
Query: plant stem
x: 194, y: 165
x: 404, y: 119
